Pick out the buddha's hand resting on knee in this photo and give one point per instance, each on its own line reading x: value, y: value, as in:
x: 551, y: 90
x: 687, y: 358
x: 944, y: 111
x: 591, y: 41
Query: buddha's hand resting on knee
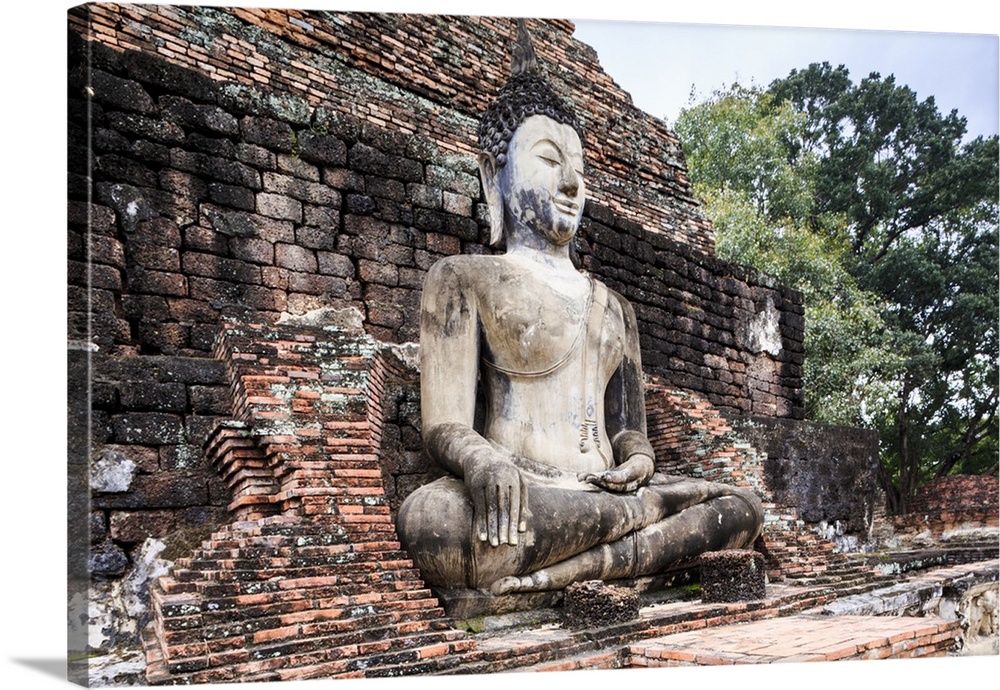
x: 628, y: 476
x: 499, y: 499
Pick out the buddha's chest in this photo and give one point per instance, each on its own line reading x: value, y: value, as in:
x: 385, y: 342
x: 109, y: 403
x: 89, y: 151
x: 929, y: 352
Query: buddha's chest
x: 538, y: 332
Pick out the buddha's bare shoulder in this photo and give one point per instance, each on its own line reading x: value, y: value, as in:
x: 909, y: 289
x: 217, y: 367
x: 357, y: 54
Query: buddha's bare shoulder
x: 468, y: 269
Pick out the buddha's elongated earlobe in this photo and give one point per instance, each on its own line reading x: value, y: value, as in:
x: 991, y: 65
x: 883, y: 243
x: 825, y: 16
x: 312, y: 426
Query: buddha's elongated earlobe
x: 489, y: 173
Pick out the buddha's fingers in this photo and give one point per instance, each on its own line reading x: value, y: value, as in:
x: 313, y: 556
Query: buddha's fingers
x: 481, y: 511
x: 503, y: 514
x: 492, y: 514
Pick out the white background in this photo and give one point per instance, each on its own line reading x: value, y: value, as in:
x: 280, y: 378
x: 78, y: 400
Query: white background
x: 32, y: 609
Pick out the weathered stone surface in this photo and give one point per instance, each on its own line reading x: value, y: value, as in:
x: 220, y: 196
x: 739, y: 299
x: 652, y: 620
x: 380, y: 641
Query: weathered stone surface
x: 121, y: 93
x: 827, y: 472
x: 107, y: 560
x: 148, y: 428
x: 593, y: 603
x: 113, y: 472
x: 208, y: 117
x: 271, y: 134
x: 734, y: 575
x: 322, y: 148
x: 137, y: 526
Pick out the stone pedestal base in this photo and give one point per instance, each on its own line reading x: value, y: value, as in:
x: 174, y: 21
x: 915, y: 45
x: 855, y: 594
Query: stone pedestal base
x: 729, y: 576
x: 591, y: 604
x: 465, y: 604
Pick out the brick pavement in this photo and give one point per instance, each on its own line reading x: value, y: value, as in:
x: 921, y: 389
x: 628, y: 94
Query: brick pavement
x: 806, y: 637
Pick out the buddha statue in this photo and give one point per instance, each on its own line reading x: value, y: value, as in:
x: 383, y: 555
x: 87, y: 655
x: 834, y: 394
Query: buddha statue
x: 532, y: 391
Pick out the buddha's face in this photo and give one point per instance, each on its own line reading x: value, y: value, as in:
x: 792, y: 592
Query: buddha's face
x: 542, y: 181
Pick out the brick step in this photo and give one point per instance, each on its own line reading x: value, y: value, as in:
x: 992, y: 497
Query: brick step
x: 183, y: 626
x: 360, y: 584
x: 334, y: 557
x: 307, y: 631
x: 246, y: 605
x: 234, y: 593
x: 272, y: 550
x: 346, y: 655
x: 347, y: 567
x: 434, y: 659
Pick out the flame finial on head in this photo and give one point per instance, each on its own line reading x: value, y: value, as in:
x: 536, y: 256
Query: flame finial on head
x: 523, y: 57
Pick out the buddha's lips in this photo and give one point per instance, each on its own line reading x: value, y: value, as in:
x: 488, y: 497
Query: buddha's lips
x: 566, y: 206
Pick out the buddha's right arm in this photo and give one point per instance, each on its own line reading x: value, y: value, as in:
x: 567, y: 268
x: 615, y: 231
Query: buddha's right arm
x: 449, y: 362
x: 449, y: 365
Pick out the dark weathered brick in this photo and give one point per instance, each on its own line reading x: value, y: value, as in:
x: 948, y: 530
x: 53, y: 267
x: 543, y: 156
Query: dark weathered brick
x: 155, y: 397
x: 359, y: 204
x: 153, y: 256
x: 214, y: 291
x: 324, y: 217
x: 150, y: 428
x: 295, y: 257
x: 324, y: 149
x: 136, y: 306
x: 377, y: 272
x: 157, y: 282
x: 316, y: 238
x: 210, y: 400
x: 344, y: 179
x: 335, y: 264
x: 263, y: 298
x: 256, y: 156
x: 207, y: 117
x: 148, y: 127
x: 213, y: 266
x: 230, y: 195
x: 205, y: 239
x: 252, y: 249
x: 216, y: 167
x: 162, y: 490
x: 271, y: 134
x: 312, y: 284
x: 372, y: 161
x: 119, y: 93
x: 279, y: 207
x: 424, y: 196
x: 125, y: 169
x: 137, y: 526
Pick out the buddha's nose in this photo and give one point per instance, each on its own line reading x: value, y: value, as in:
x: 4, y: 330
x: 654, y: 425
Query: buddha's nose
x: 569, y: 180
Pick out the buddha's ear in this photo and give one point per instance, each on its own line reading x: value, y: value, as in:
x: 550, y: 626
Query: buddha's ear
x: 490, y: 175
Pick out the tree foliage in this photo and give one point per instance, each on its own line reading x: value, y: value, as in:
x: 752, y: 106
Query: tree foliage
x: 871, y: 203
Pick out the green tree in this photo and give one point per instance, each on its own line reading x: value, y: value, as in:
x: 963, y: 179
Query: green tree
x: 868, y: 201
x: 759, y: 189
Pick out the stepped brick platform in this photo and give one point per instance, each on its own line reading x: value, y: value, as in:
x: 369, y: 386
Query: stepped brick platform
x: 803, y: 638
x: 309, y: 580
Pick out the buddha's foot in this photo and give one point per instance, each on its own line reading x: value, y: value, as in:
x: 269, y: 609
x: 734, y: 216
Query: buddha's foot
x: 537, y: 581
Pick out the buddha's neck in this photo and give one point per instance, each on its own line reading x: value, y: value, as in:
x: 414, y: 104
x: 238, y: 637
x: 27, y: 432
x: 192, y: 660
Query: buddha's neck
x: 546, y: 255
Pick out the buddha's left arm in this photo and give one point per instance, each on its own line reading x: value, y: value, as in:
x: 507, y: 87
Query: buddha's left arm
x: 625, y: 415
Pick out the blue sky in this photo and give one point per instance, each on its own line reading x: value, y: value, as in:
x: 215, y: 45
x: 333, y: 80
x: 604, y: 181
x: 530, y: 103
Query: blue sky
x: 659, y: 64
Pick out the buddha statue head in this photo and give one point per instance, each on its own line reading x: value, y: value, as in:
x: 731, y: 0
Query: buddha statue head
x: 531, y: 157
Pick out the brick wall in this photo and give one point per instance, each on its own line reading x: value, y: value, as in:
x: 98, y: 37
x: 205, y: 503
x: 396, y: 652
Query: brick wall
x: 423, y: 74
x: 210, y: 199
x: 828, y: 472
x: 947, y: 506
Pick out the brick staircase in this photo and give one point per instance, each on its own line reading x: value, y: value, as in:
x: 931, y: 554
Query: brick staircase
x: 309, y: 580
x: 259, y: 601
